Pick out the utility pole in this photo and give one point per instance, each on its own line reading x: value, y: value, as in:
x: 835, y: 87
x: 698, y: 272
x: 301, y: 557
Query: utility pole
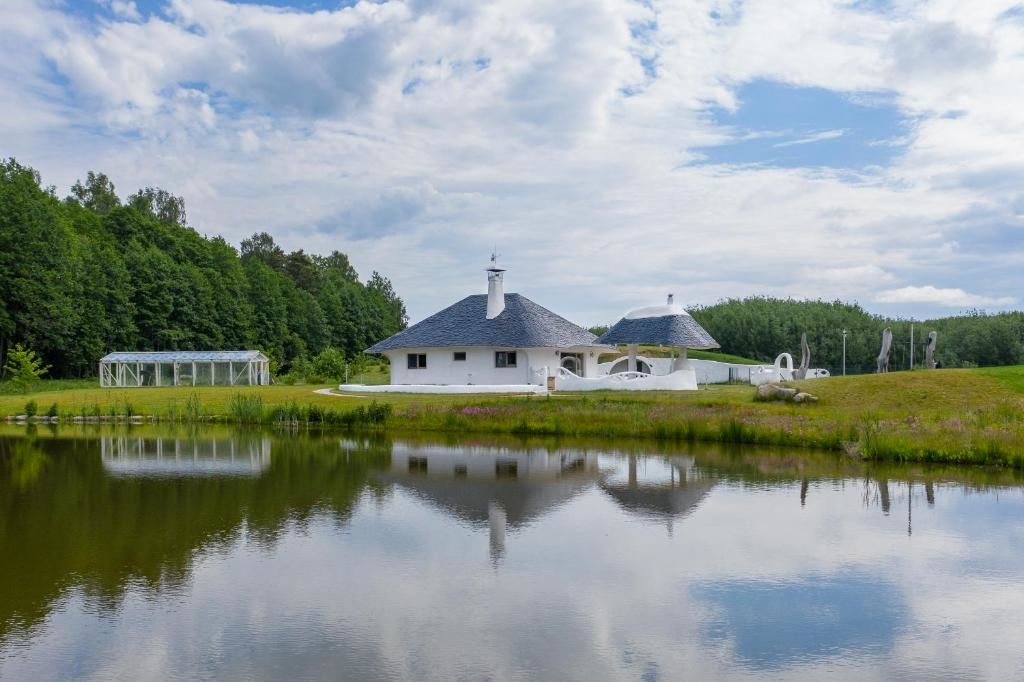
x: 844, y: 352
x: 911, y: 345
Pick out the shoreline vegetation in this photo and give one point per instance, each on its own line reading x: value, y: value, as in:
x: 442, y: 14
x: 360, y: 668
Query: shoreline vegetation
x: 962, y: 416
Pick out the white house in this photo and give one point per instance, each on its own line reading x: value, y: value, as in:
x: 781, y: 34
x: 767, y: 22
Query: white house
x: 498, y: 341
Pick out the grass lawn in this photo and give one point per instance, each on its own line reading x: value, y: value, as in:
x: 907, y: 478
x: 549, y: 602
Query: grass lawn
x: 953, y: 415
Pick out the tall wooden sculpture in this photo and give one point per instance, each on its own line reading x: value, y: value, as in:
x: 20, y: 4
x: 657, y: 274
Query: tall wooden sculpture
x: 883, y: 357
x: 929, y: 352
x: 805, y: 359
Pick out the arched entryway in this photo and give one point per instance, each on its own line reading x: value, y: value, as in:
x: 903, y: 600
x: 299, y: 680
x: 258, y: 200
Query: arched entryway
x: 572, y: 362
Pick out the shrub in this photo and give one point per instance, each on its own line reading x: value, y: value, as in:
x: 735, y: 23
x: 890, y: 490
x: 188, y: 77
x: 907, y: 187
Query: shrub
x: 52, y: 411
x: 25, y: 367
x: 193, y: 408
x: 246, y: 409
x: 329, y: 364
x: 31, y: 408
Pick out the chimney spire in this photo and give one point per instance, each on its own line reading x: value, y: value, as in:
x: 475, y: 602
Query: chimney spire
x: 495, y: 288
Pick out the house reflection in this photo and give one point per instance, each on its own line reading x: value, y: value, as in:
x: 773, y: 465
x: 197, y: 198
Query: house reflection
x: 502, y: 489
x: 659, y: 488
x: 175, y: 457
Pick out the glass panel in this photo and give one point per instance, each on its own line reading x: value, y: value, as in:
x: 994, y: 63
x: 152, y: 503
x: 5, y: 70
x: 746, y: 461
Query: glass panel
x: 204, y: 375
x: 221, y: 374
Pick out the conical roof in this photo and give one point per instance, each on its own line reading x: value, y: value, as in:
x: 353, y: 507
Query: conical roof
x: 521, y: 324
x: 665, y: 325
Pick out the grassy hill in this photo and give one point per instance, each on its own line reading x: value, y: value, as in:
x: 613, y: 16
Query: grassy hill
x: 956, y: 415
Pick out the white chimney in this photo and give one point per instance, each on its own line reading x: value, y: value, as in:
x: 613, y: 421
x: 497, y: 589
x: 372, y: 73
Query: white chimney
x: 495, y: 289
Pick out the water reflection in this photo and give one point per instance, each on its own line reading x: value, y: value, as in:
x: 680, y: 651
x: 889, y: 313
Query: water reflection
x: 501, y: 489
x: 665, y: 489
x: 126, y: 455
x: 143, y: 553
x: 104, y: 514
x: 774, y: 625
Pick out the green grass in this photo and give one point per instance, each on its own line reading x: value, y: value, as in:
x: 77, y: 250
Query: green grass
x: 721, y: 357
x: 954, y: 416
x: 49, y: 385
x: 1010, y: 377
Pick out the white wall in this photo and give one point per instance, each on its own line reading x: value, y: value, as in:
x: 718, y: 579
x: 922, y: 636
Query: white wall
x: 679, y: 380
x: 707, y: 371
x: 478, y: 367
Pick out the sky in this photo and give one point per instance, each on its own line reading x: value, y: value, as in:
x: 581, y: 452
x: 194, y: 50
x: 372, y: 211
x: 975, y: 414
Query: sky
x: 612, y: 151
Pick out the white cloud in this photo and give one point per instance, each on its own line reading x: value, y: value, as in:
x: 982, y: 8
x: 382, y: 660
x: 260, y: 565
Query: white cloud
x: 950, y: 297
x: 415, y: 135
x: 815, y: 137
x: 125, y: 9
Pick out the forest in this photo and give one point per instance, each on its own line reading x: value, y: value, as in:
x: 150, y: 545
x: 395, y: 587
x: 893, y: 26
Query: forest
x: 90, y: 273
x: 760, y: 328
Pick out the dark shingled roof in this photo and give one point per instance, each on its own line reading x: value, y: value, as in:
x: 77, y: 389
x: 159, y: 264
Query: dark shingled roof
x: 680, y: 331
x: 522, y: 324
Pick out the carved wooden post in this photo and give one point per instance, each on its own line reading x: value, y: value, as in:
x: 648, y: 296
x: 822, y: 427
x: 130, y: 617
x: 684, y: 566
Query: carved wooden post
x: 805, y: 359
x: 929, y: 352
x: 883, y: 357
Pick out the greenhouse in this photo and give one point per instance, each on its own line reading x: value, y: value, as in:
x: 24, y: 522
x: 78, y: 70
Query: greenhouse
x: 185, y: 368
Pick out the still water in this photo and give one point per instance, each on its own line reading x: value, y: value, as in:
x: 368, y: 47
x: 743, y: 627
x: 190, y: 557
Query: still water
x: 156, y: 554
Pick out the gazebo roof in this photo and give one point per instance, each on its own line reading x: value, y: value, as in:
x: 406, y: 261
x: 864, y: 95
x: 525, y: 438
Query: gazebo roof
x: 664, y: 325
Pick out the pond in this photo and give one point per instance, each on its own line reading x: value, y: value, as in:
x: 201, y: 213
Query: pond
x: 151, y: 553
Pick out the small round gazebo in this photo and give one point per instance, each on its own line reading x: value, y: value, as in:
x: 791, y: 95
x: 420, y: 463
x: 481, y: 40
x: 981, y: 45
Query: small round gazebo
x: 660, y: 325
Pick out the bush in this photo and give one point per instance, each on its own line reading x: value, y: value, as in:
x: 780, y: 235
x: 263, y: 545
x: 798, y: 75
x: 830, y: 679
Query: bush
x: 52, y: 412
x: 24, y: 367
x: 329, y: 364
x: 31, y: 408
x: 246, y: 409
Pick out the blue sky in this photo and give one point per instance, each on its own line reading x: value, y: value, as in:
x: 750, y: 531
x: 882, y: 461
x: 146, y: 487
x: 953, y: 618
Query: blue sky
x: 778, y: 124
x: 615, y: 150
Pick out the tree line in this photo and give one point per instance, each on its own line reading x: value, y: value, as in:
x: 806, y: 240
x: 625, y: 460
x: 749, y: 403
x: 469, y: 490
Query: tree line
x: 760, y: 328
x: 90, y: 273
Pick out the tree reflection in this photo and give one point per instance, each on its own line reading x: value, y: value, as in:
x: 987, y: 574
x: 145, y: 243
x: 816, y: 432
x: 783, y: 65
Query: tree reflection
x: 68, y: 522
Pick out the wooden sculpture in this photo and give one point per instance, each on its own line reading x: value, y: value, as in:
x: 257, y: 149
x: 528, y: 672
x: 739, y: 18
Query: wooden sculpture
x: 805, y: 359
x: 883, y: 357
x: 929, y: 352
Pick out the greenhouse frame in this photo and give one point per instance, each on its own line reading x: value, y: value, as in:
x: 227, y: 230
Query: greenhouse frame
x: 184, y: 368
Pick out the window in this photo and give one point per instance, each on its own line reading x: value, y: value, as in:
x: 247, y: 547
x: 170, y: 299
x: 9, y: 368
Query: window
x: 417, y: 360
x: 504, y: 358
x: 459, y: 356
